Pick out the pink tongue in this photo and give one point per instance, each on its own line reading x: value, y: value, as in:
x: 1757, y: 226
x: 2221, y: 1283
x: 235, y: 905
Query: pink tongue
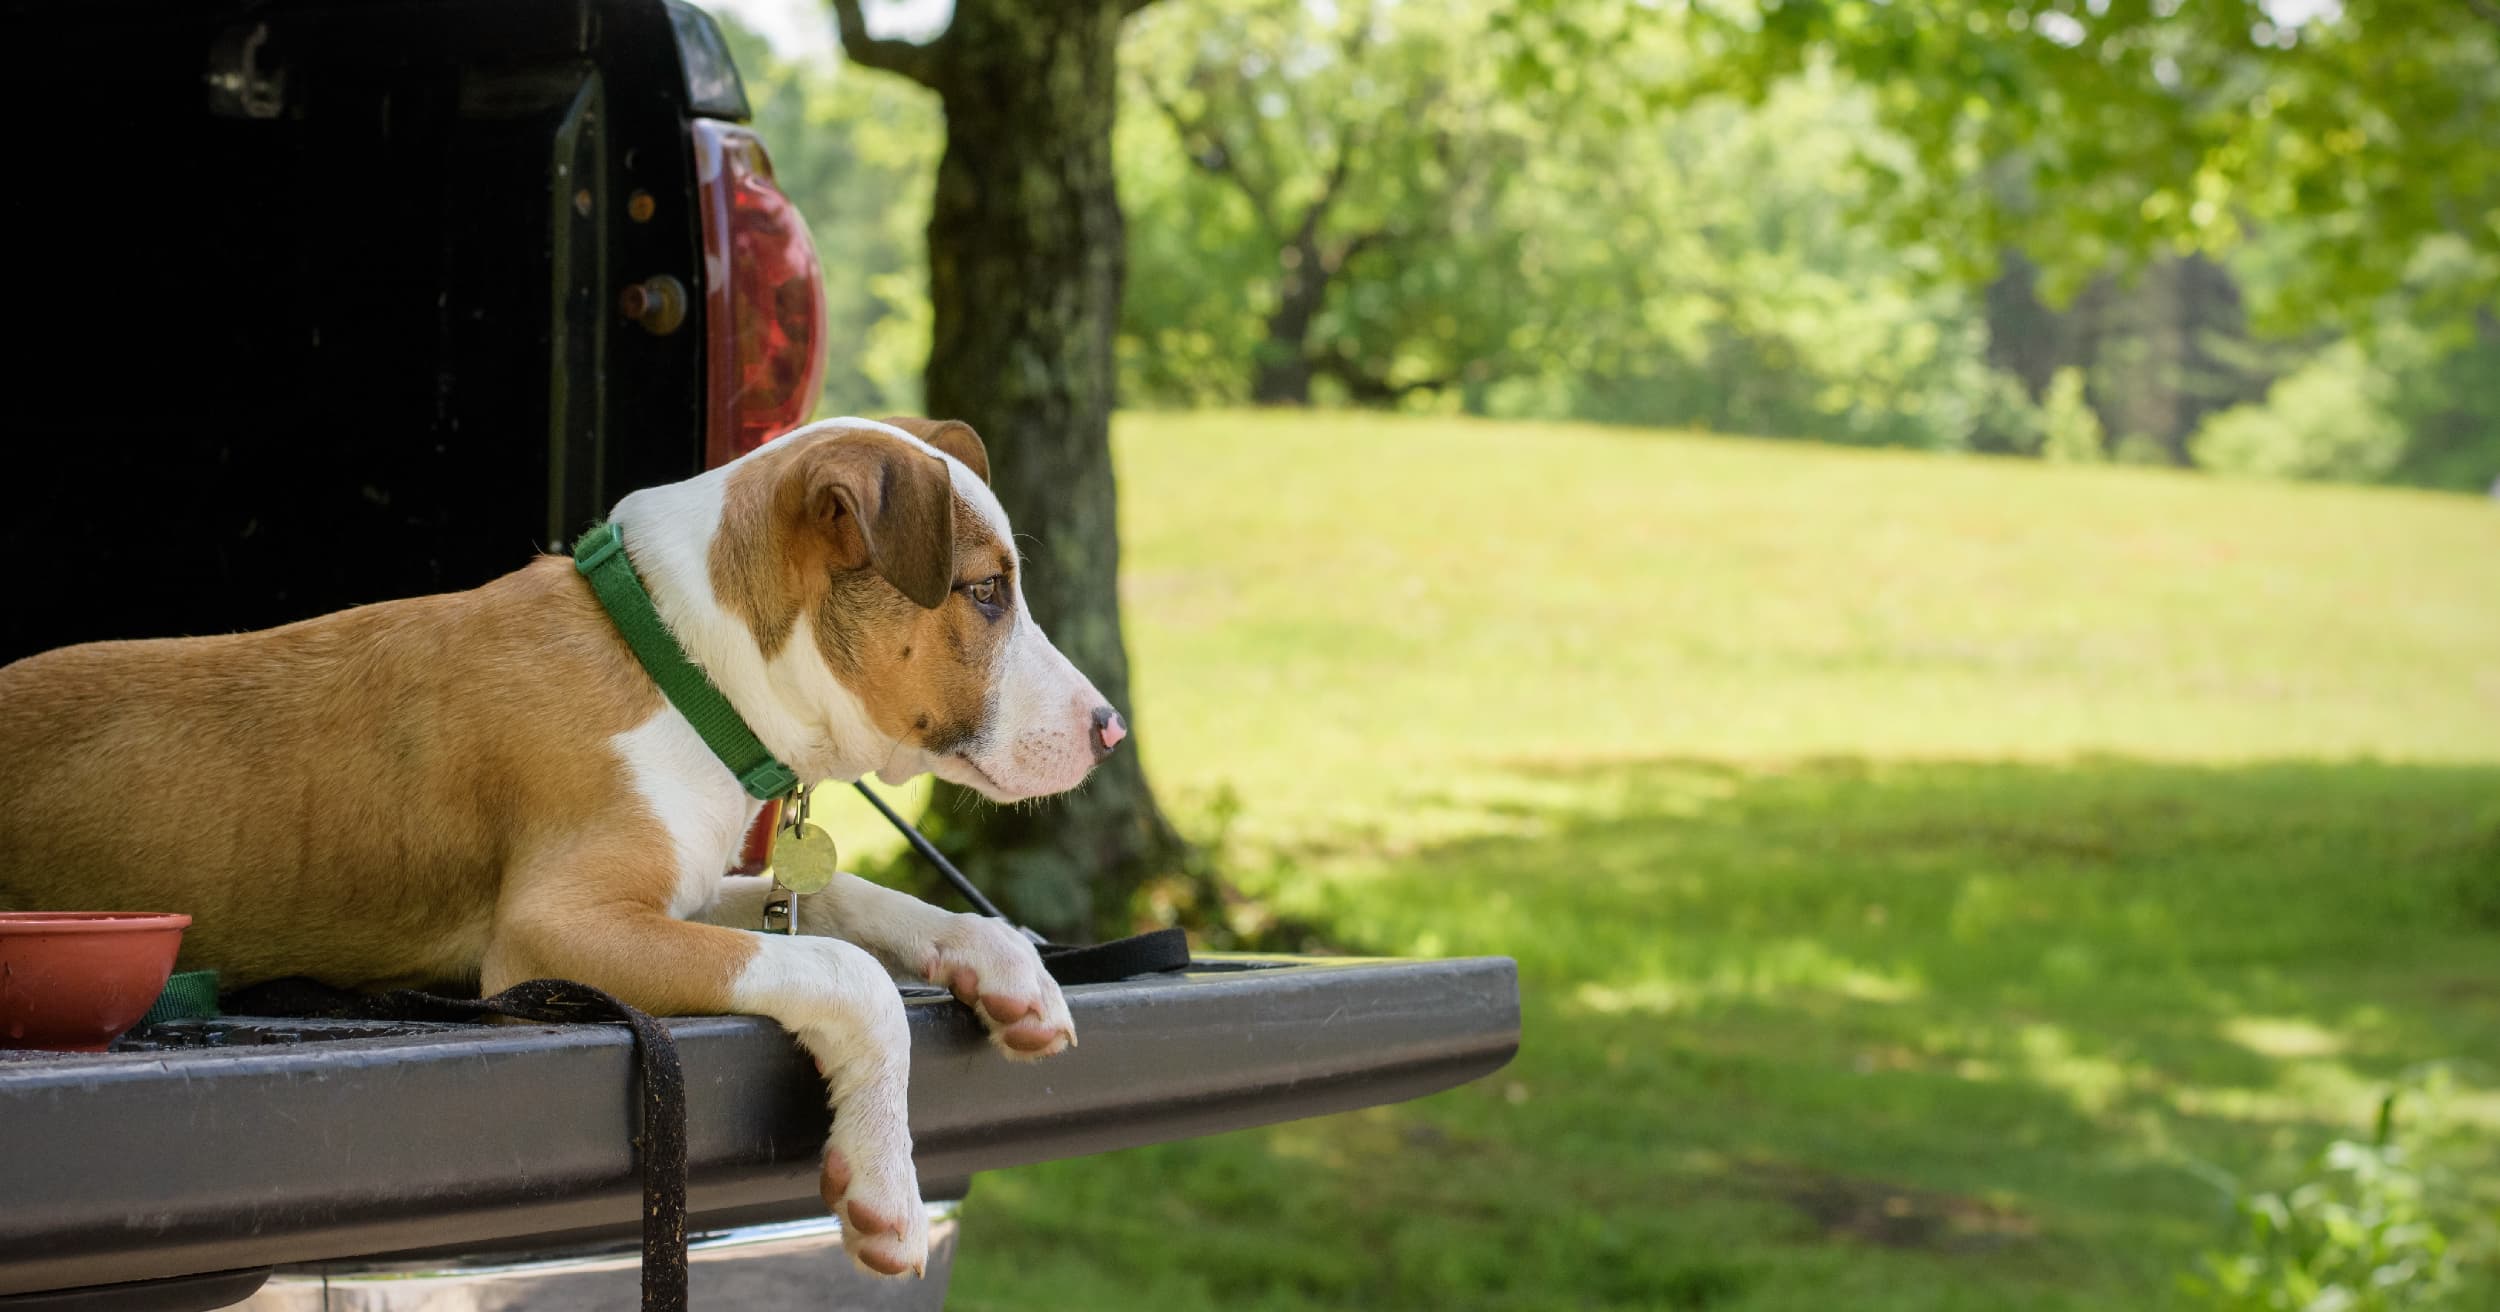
x: 1112, y: 733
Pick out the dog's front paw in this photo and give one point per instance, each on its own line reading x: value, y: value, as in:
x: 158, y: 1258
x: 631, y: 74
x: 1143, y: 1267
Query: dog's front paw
x: 876, y: 1196
x: 994, y: 970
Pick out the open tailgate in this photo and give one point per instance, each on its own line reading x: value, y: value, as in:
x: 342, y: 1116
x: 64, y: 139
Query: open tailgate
x: 297, y: 1141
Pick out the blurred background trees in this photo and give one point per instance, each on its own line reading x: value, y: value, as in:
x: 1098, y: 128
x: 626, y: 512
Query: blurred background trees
x: 1935, y: 882
x: 2251, y: 237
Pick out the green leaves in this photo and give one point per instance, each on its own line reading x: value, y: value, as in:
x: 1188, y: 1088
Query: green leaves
x: 2367, y: 1231
x: 2135, y: 128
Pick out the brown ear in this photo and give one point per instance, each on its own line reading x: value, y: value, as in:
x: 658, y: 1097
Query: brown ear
x: 889, y: 506
x: 952, y: 436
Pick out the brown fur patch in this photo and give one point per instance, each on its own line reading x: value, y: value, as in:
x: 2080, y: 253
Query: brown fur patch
x: 833, y: 502
x: 360, y: 797
x: 934, y: 687
x: 924, y: 673
x: 425, y: 791
x: 952, y: 436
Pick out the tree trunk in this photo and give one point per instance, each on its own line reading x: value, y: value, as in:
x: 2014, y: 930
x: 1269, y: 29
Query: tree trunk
x: 2024, y: 337
x: 2211, y: 314
x: 1026, y: 255
x: 1281, y: 372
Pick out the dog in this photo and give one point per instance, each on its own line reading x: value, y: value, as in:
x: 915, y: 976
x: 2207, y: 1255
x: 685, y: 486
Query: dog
x: 489, y: 785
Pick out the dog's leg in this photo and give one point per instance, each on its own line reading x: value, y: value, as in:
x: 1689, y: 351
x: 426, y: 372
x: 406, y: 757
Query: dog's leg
x: 986, y: 964
x: 831, y: 995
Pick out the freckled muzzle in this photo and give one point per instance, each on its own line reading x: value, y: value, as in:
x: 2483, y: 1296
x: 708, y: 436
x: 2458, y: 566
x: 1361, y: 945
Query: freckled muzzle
x: 1048, y: 725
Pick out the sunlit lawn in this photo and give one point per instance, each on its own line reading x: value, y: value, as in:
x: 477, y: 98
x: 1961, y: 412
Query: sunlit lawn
x: 1925, y: 873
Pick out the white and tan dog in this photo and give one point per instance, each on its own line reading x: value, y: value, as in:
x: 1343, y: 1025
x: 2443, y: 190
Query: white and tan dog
x: 487, y: 785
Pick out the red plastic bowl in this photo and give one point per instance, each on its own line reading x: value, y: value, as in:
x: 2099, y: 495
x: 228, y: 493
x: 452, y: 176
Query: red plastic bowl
x: 74, y: 981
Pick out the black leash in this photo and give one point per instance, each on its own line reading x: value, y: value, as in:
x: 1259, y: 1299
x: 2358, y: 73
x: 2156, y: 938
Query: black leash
x: 1150, y: 953
x: 659, y: 1147
x: 928, y: 852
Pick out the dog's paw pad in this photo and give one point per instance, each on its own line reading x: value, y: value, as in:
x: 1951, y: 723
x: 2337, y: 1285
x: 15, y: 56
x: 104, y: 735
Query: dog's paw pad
x: 1033, y: 1037
x: 1007, y: 1008
x: 994, y: 971
x: 886, y: 1254
x: 833, y: 1181
x: 869, y: 1221
x: 887, y: 1236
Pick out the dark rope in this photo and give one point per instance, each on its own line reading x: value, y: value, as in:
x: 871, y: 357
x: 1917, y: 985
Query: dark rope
x: 928, y: 852
x: 660, y: 1148
x: 1093, y: 963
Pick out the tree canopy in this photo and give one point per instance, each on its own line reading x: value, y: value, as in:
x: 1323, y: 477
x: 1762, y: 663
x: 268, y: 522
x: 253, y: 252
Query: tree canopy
x: 1827, y: 219
x: 2350, y: 133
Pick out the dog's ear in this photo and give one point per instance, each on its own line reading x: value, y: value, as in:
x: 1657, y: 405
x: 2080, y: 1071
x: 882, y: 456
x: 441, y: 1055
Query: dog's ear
x: 952, y: 436
x: 889, y: 506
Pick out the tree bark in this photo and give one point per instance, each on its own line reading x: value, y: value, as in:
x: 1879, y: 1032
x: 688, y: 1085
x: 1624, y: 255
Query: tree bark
x: 1281, y: 372
x: 2211, y: 313
x: 2024, y: 336
x: 1026, y: 257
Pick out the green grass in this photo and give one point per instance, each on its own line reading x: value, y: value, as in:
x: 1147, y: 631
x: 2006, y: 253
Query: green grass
x: 1923, y: 872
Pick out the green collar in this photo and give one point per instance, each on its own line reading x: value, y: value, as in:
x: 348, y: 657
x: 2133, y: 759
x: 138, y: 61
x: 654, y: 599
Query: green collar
x: 600, y: 556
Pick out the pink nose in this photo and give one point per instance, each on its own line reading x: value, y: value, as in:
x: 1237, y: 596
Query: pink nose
x: 1108, y: 730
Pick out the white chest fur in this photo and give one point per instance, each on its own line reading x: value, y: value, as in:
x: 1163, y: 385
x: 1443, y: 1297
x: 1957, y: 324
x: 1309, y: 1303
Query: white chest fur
x: 695, y: 799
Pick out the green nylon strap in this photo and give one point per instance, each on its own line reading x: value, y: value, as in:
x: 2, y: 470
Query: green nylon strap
x: 188, y: 995
x: 600, y: 556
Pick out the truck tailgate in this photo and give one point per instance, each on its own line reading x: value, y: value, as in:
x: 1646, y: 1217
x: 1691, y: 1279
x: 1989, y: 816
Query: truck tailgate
x: 280, y: 1147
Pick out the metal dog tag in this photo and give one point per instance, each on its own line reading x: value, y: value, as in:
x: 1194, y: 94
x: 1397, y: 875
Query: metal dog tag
x: 806, y: 861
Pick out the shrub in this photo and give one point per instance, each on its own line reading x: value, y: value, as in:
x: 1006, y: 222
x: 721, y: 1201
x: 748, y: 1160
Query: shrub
x: 2071, y: 431
x: 2327, y: 420
x: 2369, y: 1230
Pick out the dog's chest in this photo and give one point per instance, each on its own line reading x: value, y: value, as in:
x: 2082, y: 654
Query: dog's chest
x: 698, y: 804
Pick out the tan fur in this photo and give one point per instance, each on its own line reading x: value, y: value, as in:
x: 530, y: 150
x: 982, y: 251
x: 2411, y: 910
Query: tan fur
x: 922, y: 671
x: 356, y: 797
x: 922, y: 674
x: 422, y: 791
x: 952, y: 436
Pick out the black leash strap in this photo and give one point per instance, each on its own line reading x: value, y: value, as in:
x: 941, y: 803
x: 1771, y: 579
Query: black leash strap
x: 660, y: 1148
x: 1093, y: 963
x: 1121, y: 958
x: 928, y: 852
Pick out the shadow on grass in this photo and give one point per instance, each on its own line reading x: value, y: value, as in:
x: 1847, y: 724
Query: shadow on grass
x: 1841, y: 1034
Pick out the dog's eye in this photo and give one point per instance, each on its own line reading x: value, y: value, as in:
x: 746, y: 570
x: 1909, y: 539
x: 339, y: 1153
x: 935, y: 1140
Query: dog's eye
x: 985, y: 592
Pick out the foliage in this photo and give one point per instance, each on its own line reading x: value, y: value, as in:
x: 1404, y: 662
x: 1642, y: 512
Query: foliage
x: 1915, y: 865
x: 856, y: 152
x: 1543, y: 256
x: 2087, y: 131
x: 1576, y: 242
x: 1304, y: 144
x: 2325, y: 421
x: 2368, y: 1230
x: 2070, y: 432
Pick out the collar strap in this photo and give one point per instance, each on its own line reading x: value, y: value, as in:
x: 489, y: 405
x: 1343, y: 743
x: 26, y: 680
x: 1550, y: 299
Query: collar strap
x: 600, y: 556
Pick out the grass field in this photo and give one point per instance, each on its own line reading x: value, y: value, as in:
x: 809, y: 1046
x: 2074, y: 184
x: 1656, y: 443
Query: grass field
x: 1927, y: 875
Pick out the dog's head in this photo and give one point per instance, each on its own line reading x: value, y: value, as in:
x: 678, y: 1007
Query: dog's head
x: 876, y: 553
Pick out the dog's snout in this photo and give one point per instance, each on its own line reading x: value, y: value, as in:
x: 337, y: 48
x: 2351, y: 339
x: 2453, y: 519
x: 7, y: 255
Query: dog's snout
x: 1108, y: 731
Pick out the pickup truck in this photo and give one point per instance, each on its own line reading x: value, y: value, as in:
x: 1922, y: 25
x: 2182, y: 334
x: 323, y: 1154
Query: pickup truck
x: 321, y: 302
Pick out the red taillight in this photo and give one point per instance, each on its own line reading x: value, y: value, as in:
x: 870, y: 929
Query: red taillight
x: 763, y: 297
x: 757, y: 851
